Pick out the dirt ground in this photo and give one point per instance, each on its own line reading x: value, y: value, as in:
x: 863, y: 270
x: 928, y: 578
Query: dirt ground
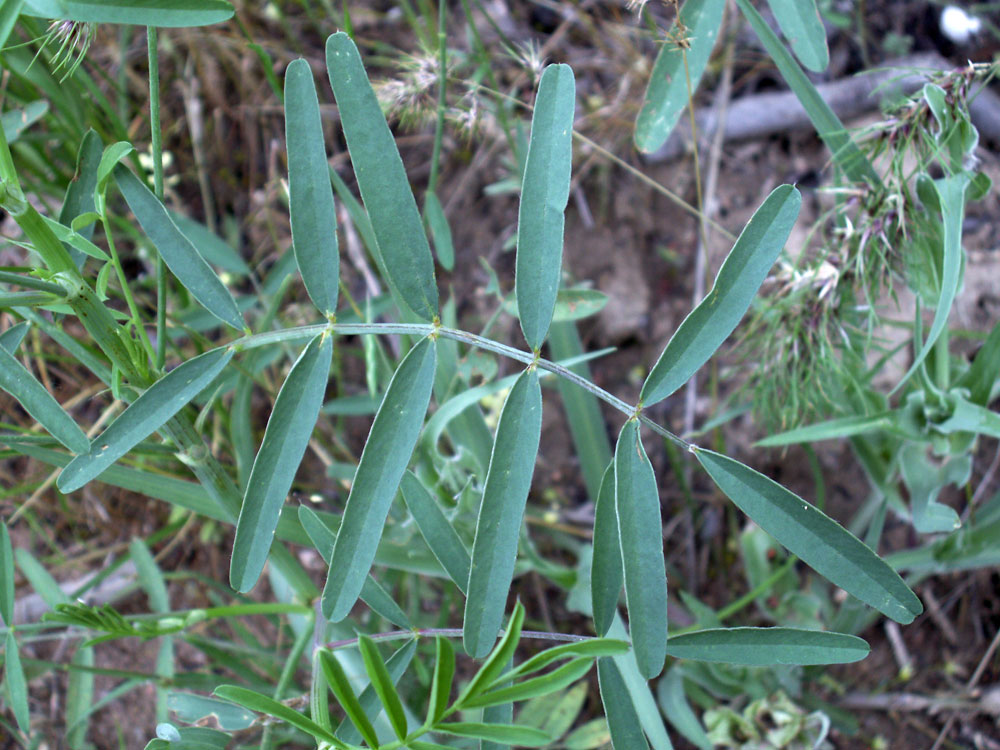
x: 630, y: 242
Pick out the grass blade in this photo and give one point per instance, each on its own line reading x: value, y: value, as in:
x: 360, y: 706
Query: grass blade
x: 606, y: 574
x: 13, y: 336
x: 79, y: 198
x: 593, y: 648
x: 18, y: 381
x: 440, y: 535
x: 640, y: 531
x: 506, y: 734
x: 310, y: 195
x: 165, y: 13
x: 978, y: 379
x: 802, y: 26
x: 444, y: 674
x: 544, y: 194
x: 285, y: 439
x: 266, y: 705
x: 815, y: 538
x: 145, y: 415
x: 667, y: 93
x: 830, y: 430
x: 345, y: 696
x: 210, y: 246
x: 372, y: 593
x: 623, y: 721
x: 828, y: 126
x: 385, y: 456
x: 17, y: 686
x: 177, y: 252
x: 715, y: 317
x: 951, y: 198
x: 383, y: 684
x: 396, y: 665
x: 382, y: 180
x: 79, y: 698
x: 508, y: 480
x: 496, y: 663
x: 767, y: 646
x: 673, y: 702
x: 6, y: 577
x: 437, y: 222
x: 544, y: 684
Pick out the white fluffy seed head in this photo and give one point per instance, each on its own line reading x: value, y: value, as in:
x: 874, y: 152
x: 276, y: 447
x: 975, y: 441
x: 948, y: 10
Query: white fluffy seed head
x: 959, y: 26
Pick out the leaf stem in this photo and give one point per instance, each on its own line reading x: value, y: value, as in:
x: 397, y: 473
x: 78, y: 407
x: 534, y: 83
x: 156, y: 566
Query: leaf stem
x: 269, y: 338
x: 156, y: 148
x: 396, y: 635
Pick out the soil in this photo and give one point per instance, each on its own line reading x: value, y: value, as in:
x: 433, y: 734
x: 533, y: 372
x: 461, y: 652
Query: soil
x: 622, y: 237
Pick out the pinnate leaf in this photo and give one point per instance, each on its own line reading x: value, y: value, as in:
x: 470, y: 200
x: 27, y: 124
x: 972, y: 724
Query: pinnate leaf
x: 344, y: 693
x: 145, y: 415
x: 500, y: 514
x: 767, y: 646
x: 814, y: 537
x: 17, y: 686
x: 6, y: 577
x: 382, y: 180
x: 505, y: 734
x: 266, y: 705
x: 802, y: 26
x: 637, y: 501
x: 39, y: 403
x: 623, y: 721
x: 544, y: 194
x: 285, y: 440
x: 310, y: 195
x: 440, y: 535
x: 176, y: 249
x: 444, y: 673
x: 606, y: 574
x: 667, y: 93
x: 715, y: 317
x: 385, y: 456
x: 165, y: 13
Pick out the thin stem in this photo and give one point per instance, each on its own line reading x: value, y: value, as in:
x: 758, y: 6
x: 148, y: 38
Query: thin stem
x: 425, y: 329
x: 288, y: 671
x: 942, y: 375
x: 156, y: 147
x: 396, y: 635
x: 442, y: 38
x: 126, y: 289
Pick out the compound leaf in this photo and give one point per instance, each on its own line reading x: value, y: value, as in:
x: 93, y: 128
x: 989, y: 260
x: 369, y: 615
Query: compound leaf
x: 501, y: 512
x: 390, y: 444
x: 310, y: 195
x: 606, y: 576
x: 802, y: 26
x: 145, y: 415
x: 382, y: 180
x: 544, y: 194
x: 39, y: 403
x: 640, y: 530
x: 677, y: 66
x: 814, y: 537
x: 176, y: 249
x: 285, y: 440
x: 715, y: 317
x: 767, y: 646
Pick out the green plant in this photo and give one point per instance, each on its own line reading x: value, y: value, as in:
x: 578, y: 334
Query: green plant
x: 461, y: 519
